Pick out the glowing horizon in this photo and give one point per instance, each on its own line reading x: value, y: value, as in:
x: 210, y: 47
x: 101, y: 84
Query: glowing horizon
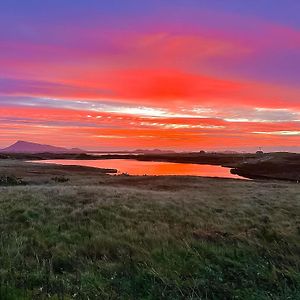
x: 182, y: 75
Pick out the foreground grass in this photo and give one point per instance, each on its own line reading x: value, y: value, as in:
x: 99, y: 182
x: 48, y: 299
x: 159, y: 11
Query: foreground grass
x: 214, y: 239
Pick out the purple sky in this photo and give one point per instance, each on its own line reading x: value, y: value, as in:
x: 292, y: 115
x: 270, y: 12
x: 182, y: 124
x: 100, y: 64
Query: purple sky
x: 124, y: 74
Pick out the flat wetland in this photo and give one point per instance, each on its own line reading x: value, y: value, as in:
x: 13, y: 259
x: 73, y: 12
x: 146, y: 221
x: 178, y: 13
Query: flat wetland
x: 79, y: 233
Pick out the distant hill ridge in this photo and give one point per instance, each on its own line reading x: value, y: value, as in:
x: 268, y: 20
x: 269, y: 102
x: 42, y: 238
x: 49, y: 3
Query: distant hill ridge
x: 153, y: 151
x: 29, y: 147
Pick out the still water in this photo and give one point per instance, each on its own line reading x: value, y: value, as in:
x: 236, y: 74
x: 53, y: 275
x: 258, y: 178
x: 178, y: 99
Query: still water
x: 134, y: 167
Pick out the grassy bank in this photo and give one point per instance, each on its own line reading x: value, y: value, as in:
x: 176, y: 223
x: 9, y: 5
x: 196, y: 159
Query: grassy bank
x: 150, y: 238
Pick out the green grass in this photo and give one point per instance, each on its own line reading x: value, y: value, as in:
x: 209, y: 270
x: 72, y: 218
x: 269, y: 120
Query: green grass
x: 212, y: 239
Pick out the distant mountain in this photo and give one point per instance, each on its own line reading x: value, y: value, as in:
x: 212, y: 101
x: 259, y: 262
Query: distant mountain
x: 28, y: 147
x: 153, y: 151
x: 229, y: 152
x: 76, y: 150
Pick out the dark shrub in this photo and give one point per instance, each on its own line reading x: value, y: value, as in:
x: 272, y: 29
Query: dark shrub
x: 60, y: 179
x: 10, y: 180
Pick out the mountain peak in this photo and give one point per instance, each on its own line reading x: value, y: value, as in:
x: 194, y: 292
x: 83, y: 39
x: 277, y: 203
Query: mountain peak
x: 30, y: 147
x: 20, y: 142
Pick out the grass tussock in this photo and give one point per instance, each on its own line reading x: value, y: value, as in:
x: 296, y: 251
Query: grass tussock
x: 208, y: 240
x: 7, y: 180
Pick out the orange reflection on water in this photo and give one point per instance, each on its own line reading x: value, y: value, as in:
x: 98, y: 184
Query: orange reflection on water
x: 134, y: 167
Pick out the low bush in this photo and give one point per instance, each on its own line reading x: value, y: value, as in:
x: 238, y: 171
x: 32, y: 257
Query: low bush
x: 11, y: 180
x: 60, y: 179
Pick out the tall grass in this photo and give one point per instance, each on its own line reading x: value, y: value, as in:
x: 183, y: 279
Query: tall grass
x: 209, y: 240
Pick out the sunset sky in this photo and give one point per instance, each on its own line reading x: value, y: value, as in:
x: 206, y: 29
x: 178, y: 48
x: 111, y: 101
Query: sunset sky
x: 169, y: 74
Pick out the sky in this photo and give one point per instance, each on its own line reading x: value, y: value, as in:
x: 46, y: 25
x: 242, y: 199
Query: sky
x: 169, y: 74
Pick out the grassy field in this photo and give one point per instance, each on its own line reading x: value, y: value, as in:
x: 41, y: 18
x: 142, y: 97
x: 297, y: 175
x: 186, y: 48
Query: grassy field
x: 97, y: 236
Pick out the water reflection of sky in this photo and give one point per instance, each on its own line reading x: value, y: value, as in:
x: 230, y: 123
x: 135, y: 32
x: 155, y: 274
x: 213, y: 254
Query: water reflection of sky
x: 134, y: 167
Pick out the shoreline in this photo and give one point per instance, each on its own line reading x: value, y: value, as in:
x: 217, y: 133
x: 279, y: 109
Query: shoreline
x: 281, y: 166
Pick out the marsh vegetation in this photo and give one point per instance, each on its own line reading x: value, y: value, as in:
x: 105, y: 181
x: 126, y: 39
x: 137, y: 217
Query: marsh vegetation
x: 122, y: 237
